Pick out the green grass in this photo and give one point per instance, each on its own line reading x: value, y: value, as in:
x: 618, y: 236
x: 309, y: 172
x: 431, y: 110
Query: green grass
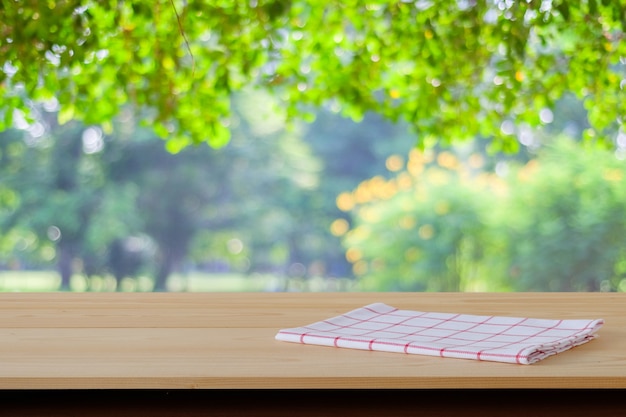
x: 48, y: 281
x: 28, y: 281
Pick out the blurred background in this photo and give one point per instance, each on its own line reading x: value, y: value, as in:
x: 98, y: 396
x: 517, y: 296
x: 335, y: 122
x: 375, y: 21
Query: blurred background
x: 325, y: 205
x: 283, y: 145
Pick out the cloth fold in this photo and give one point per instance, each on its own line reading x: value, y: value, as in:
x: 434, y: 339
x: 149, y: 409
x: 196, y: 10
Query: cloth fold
x: 381, y: 327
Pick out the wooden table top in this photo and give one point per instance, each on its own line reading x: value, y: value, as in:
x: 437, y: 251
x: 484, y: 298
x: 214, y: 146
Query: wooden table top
x: 226, y: 340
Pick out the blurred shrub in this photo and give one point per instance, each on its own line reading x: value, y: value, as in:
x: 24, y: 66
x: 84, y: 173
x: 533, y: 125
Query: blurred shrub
x: 568, y: 221
x: 557, y: 223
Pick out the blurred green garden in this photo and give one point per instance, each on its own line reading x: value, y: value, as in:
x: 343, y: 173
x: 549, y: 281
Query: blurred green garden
x: 321, y: 216
x: 554, y: 223
x: 171, y: 145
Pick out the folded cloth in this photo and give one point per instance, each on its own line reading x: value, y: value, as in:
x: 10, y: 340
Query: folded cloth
x: 488, y: 338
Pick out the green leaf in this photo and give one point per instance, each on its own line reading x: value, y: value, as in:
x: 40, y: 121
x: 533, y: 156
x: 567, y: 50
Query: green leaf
x: 66, y: 113
x: 176, y: 144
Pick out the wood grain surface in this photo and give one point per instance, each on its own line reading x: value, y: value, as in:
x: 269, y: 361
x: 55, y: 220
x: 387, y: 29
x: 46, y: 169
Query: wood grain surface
x: 226, y: 340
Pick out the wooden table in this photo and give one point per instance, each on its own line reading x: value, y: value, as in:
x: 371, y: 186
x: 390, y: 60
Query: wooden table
x: 188, y: 348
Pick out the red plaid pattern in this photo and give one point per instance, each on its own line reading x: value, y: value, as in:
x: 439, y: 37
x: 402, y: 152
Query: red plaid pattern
x: 489, y: 338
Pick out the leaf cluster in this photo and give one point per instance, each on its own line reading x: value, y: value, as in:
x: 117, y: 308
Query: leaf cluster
x: 454, y: 70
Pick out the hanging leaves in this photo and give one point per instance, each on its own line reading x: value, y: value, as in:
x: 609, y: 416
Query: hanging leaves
x: 452, y: 69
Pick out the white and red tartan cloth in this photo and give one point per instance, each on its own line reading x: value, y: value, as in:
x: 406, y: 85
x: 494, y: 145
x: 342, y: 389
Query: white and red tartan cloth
x: 381, y: 327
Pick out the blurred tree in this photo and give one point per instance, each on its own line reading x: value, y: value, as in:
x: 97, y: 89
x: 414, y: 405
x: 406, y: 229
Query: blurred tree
x: 554, y: 223
x: 451, y: 69
x: 11, y: 241
x: 424, y: 229
x: 259, y: 198
x: 173, y: 189
x: 57, y: 184
x: 565, y: 221
x: 349, y: 153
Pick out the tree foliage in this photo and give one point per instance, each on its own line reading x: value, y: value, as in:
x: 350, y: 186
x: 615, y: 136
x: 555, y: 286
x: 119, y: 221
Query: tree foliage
x: 452, y: 69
